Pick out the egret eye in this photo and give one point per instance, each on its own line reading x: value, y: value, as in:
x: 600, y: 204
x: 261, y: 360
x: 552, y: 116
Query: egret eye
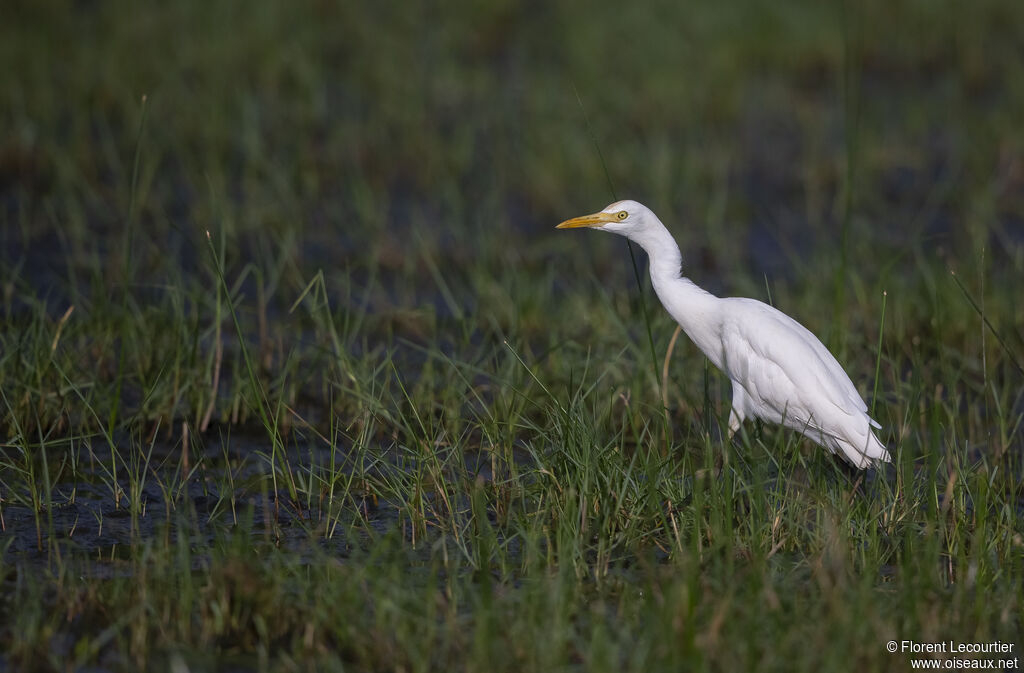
x: 622, y: 215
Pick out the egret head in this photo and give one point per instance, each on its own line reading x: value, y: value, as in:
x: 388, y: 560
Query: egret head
x: 626, y: 218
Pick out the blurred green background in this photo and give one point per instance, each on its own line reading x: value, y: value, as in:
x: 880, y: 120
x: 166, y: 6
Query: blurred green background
x: 353, y: 128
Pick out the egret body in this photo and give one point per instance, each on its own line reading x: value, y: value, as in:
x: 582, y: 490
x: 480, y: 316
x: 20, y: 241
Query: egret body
x: 780, y: 372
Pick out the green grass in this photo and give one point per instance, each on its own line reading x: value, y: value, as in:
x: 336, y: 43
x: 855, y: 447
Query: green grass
x: 384, y: 417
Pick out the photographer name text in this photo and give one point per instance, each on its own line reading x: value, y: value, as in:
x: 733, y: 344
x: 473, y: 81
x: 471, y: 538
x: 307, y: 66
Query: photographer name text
x: 951, y: 647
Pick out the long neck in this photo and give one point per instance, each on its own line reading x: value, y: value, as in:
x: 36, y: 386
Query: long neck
x: 693, y: 308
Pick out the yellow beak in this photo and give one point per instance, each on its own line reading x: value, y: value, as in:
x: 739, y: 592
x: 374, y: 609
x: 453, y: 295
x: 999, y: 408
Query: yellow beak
x: 595, y: 220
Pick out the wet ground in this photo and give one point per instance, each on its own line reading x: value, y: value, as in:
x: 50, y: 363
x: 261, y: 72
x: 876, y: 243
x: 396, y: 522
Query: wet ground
x: 226, y: 491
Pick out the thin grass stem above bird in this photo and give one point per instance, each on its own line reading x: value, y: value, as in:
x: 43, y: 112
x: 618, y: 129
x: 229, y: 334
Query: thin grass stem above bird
x: 780, y: 372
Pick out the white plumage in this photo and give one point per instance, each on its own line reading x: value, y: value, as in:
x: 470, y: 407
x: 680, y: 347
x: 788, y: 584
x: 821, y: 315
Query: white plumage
x: 780, y: 372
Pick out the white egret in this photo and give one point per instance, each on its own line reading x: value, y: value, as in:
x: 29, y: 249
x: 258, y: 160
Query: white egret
x: 780, y: 372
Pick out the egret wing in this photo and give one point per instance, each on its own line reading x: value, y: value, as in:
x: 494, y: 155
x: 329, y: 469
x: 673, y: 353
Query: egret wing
x: 784, y: 362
